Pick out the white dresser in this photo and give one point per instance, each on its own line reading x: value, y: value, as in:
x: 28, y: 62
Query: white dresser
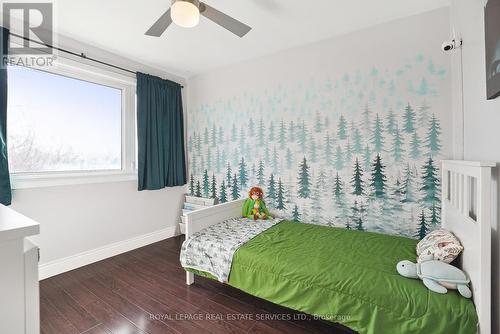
x: 19, y: 294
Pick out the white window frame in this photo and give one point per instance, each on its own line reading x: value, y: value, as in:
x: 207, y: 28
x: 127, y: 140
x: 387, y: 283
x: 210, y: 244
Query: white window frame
x: 128, y: 172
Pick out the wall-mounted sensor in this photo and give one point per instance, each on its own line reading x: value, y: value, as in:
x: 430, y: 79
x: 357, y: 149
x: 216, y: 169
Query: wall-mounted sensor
x: 451, y: 45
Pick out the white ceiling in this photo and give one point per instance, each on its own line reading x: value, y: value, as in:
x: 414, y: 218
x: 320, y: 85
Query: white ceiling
x: 118, y: 26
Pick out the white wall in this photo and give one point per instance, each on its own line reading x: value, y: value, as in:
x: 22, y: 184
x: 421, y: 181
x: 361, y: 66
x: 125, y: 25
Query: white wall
x: 481, y: 117
x: 83, y: 223
x: 312, y: 86
x: 82, y: 218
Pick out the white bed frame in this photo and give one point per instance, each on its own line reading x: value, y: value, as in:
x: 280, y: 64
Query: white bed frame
x: 200, y: 219
x: 466, y: 211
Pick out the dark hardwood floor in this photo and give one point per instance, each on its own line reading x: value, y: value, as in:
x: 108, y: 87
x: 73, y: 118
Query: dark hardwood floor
x: 144, y: 291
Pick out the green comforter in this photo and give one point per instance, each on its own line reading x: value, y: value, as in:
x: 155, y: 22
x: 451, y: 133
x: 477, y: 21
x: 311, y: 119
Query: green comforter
x: 347, y: 277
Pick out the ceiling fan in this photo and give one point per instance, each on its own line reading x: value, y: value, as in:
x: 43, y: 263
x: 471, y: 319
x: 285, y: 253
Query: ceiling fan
x: 186, y: 13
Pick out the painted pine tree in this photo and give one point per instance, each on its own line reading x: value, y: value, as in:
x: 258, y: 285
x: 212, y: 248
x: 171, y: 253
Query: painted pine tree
x: 282, y: 135
x: 223, y: 158
x: 236, y: 156
x: 243, y: 140
x: 433, y: 142
x: 367, y: 157
x: 223, y: 192
x: 251, y: 127
x: 304, y: 181
x: 198, y: 145
x: 190, y: 144
x: 228, y: 175
x: 312, y: 151
x: 348, y: 152
x: 328, y: 156
x: 198, y: 189
x: 430, y: 185
x: 291, y: 132
x: 275, y: 161
x: 221, y: 135
x: 408, y: 186
x: 260, y: 174
x: 191, y: 185
x: 391, y: 122
x: 271, y: 192
x: 271, y: 132
x: 296, y: 213
x: 209, y: 159
x: 253, y: 175
x: 206, y: 184
x: 280, y: 196
x: 378, y: 135
x: 318, y: 126
x: 342, y: 128
x: 422, y: 228
x: 234, y: 133
x: 415, y: 152
x: 423, y: 88
x: 316, y: 203
x: 261, y: 133
x: 423, y: 116
x: 357, y: 180
x: 409, y: 119
x: 289, y: 159
x: 339, y: 159
x: 214, y: 136
x: 358, y: 141
x: 235, y: 190
x: 217, y: 161
x: 243, y: 173
x: 435, y: 218
x: 397, y: 145
x: 213, y: 187
x: 367, y: 117
x: 205, y: 137
x: 392, y: 88
x: 359, y: 224
x: 303, y: 136
x: 431, y: 67
x: 378, y: 179
x: 397, y: 197
x: 267, y: 155
x: 338, y: 191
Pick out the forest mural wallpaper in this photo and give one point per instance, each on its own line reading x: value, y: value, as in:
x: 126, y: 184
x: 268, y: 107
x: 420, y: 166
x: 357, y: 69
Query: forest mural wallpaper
x: 359, y: 150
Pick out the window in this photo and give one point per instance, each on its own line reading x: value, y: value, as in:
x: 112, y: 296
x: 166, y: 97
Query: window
x: 69, y: 123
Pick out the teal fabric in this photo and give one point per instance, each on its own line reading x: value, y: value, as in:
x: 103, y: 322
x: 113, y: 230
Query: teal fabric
x: 5, y: 190
x: 160, y: 133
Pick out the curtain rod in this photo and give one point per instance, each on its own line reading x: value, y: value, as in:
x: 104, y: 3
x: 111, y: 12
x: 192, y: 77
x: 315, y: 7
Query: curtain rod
x: 81, y: 55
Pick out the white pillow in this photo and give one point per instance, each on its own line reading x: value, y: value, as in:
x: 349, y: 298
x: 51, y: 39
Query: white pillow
x: 439, y: 245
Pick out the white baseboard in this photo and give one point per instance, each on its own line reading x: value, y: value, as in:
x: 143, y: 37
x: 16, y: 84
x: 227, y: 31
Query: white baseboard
x: 56, y: 267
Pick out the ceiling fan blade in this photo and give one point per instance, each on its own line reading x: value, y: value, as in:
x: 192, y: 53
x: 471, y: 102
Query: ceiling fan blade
x: 159, y: 27
x: 236, y: 27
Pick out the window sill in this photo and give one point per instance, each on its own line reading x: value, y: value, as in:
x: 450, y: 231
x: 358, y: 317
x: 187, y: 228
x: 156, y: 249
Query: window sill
x: 42, y: 180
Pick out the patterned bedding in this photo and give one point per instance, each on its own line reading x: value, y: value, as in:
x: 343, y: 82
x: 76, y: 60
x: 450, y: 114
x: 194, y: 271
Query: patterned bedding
x: 211, y: 250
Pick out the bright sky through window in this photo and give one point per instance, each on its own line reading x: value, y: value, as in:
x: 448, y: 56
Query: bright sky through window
x: 57, y: 123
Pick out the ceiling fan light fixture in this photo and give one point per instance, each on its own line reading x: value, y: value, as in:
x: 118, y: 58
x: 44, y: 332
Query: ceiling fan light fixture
x: 185, y: 13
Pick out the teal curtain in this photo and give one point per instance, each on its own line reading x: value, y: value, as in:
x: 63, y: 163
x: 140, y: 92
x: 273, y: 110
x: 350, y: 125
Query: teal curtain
x: 5, y: 191
x: 160, y: 133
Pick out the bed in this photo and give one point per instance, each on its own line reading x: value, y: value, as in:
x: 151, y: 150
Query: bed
x: 349, y: 277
